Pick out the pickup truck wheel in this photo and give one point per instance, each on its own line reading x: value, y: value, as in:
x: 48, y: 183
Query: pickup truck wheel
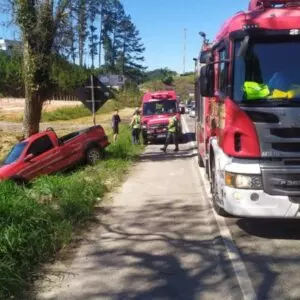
x: 93, y: 155
x: 19, y: 180
x: 215, y: 195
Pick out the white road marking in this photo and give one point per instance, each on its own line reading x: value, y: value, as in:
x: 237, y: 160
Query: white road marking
x: 233, y: 253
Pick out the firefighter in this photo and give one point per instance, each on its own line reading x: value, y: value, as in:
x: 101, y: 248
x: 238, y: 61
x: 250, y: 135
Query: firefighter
x: 172, y: 134
x: 135, y: 125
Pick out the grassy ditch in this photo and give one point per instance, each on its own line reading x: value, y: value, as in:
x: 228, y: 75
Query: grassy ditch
x: 37, y: 221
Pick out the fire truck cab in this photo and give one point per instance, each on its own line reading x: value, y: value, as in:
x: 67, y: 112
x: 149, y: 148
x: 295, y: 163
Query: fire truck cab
x: 247, y: 91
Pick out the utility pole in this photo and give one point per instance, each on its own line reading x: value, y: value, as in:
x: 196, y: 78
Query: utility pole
x: 184, y: 48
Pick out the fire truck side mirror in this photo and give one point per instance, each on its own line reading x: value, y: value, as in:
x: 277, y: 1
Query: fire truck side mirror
x: 206, y: 81
x: 206, y: 57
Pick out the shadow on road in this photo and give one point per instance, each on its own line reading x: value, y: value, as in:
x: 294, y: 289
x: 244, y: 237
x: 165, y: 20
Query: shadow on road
x: 269, y: 261
x: 171, y: 251
x: 187, y: 137
x: 167, y: 251
x: 169, y: 155
x: 271, y: 228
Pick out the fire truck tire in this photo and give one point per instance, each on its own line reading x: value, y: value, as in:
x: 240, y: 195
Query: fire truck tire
x: 181, y: 137
x: 200, y: 161
x: 145, y: 137
x: 215, y: 197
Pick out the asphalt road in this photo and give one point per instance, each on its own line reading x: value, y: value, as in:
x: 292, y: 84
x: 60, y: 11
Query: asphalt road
x: 270, y: 252
x: 161, y: 240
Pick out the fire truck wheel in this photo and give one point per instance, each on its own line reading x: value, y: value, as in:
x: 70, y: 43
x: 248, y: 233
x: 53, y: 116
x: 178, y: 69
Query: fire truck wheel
x: 214, y: 190
x: 200, y: 161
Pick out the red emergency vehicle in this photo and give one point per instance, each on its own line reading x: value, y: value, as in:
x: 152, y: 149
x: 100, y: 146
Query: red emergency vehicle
x: 247, y: 94
x: 157, y: 108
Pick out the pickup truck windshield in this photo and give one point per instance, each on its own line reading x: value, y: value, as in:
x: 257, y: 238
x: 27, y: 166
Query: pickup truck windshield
x: 15, y: 153
x: 159, y: 107
x: 269, y: 72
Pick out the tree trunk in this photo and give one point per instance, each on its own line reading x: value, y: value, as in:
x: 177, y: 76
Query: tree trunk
x: 80, y: 51
x: 100, y: 35
x: 33, y: 94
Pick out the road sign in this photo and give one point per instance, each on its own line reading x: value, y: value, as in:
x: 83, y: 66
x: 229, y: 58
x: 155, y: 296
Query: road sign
x: 93, y: 94
x: 112, y: 80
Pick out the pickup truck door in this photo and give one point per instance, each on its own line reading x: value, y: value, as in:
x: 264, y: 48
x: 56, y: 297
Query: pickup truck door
x: 71, y: 151
x: 45, y: 160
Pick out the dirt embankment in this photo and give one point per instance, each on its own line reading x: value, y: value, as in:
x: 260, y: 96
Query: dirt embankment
x: 11, y: 131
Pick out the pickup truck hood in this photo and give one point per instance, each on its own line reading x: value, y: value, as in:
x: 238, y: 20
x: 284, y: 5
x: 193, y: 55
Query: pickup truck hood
x: 5, y: 170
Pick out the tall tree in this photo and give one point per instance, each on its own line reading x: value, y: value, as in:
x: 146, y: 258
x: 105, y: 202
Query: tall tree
x: 93, y: 11
x: 101, y: 6
x: 39, y: 22
x: 81, y: 11
x: 72, y: 35
x: 106, y: 36
x: 130, y: 54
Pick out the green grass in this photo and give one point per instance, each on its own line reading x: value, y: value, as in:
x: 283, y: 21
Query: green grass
x: 36, y: 222
x: 78, y: 111
x: 66, y: 113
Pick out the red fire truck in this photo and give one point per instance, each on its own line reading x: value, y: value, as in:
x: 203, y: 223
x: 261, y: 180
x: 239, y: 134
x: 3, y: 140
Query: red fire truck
x: 157, y: 107
x: 247, y: 92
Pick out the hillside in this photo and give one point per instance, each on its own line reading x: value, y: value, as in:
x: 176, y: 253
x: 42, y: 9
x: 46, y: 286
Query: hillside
x: 183, y: 85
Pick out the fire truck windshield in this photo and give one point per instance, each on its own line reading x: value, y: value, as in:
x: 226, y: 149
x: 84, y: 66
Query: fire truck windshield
x: 158, y: 107
x: 269, y: 72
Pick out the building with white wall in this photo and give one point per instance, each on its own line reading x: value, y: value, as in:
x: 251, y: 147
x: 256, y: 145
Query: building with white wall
x: 9, y: 45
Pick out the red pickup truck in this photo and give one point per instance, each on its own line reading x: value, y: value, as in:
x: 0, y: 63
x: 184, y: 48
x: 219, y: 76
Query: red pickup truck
x: 45, y: 153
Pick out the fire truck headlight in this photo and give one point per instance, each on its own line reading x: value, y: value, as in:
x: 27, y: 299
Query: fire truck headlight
x: 243, y: 181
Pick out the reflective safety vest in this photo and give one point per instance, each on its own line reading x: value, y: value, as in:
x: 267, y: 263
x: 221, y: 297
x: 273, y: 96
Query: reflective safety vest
x: 281, y: 94
x: 173, y: 123
x: 254, y: 90
x: 137, y: 122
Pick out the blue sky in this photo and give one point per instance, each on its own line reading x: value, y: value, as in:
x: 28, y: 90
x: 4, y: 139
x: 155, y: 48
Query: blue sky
x: 161, y: 24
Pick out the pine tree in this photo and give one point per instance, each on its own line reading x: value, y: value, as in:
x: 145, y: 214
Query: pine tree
x: 81, y: 11
x: 93, y: 11
x: 130, y: 54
